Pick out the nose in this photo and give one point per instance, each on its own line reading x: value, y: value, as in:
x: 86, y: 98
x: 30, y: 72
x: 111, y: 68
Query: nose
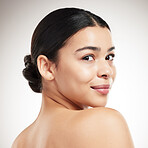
x: 104, y: 70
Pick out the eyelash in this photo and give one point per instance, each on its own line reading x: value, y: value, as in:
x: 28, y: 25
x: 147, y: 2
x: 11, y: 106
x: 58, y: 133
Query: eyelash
x: 107, y: 57
x: 87, y: 56
x: 113, y: 55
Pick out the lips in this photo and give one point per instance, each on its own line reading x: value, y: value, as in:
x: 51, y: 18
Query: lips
x: 103, y: 89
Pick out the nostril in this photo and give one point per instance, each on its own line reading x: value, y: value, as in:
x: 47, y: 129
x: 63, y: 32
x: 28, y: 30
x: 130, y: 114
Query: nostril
x: 104, y: 76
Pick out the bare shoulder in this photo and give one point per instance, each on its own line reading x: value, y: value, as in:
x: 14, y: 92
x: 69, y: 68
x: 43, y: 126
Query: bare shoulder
x: 103, y: 127
x: 19, y: 142
x: 16, y: 143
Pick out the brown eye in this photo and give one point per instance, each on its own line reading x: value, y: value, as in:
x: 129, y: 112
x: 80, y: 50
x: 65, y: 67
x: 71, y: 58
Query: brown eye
x: 110, y: 57
x: 88, y: 58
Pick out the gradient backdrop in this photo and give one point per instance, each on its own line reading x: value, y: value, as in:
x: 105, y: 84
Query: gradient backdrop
x: 128, y: 19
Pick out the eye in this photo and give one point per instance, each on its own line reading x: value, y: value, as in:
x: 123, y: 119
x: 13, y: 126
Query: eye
x: 110, y: 57
x: 88, y: 58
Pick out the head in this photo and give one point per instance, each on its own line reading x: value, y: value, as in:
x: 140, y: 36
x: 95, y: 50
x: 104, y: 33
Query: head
x: 54, y: 44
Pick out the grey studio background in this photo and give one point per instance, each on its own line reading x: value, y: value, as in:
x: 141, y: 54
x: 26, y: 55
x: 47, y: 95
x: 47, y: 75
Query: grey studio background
x: 128, y: 19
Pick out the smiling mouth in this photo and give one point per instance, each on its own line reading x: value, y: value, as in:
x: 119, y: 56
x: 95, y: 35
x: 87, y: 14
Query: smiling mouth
x: 102, y: 89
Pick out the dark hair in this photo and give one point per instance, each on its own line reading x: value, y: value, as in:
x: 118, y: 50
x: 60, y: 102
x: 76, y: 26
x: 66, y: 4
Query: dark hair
x: 51, y: 34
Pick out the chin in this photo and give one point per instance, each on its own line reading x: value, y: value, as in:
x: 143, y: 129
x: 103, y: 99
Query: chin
x: 98, y: 104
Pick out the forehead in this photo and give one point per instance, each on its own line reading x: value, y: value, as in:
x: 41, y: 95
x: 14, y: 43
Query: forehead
x: 91, y: 36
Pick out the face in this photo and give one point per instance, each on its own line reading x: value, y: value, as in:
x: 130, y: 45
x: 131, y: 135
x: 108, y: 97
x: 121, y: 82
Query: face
x: 85, y: 71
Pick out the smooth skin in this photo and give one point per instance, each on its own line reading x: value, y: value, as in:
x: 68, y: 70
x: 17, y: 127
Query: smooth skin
x: 65, y: 119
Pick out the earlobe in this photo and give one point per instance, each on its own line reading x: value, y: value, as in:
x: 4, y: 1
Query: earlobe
x: 45, y: 67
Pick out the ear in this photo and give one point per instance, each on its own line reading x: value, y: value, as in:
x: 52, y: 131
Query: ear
x: 45, y: 67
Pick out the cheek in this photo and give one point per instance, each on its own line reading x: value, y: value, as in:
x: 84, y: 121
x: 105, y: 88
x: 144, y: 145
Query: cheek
x: 84, y: 74
x: 74, y: 76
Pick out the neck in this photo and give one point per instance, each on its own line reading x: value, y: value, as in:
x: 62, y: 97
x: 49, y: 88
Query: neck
x: 55, y: 101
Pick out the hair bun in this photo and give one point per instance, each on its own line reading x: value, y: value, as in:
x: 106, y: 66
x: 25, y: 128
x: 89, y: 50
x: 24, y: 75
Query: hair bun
x: 31, y: 73
x: 27, y: 60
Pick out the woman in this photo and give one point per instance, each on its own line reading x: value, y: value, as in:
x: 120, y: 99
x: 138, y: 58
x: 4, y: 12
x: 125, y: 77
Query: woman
x: 71, y: 64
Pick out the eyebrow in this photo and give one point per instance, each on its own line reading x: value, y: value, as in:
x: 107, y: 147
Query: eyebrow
x: 110, y: 49
x: 94, y: 48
